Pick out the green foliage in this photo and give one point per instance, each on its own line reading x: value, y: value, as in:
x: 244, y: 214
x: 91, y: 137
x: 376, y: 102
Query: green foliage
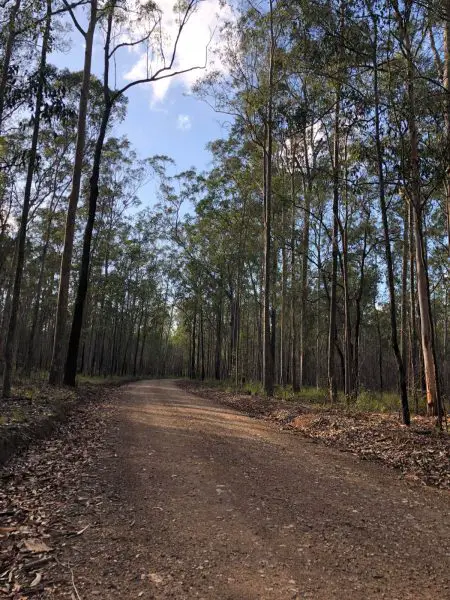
x: 105, y: 380
x: 252, y: 388
x: 18, y: 415
x: 368, y: 401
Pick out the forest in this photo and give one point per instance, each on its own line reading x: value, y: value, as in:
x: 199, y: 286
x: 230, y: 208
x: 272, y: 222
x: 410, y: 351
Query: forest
x: 312, y: 253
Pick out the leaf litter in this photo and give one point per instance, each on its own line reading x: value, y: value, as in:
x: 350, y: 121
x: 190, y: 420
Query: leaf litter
x: 40, y: 505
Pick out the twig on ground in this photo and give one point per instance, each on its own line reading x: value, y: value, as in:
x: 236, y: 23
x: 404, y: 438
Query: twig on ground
x: 73, y: 584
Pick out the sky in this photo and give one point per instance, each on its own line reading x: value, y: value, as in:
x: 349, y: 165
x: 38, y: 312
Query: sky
x: 163, y: 117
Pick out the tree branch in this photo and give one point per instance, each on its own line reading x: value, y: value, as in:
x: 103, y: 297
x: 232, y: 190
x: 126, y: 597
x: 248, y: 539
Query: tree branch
x: 74, y: 19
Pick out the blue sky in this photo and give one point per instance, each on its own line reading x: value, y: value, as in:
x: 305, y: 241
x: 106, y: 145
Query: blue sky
x: 163, y: 118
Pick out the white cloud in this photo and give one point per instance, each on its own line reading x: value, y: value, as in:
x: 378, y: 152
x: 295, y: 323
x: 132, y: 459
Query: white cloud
x: 200, y: 32
x: 184, y: 122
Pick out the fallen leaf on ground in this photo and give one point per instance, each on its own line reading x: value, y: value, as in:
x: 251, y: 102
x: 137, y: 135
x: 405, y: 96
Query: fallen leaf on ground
x: 36, y: 580
x: 35, y: 546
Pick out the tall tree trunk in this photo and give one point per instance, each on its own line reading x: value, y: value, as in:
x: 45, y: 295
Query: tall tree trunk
x: 193, y: 374
x: 70, y: 371
x: 202, y: 342
x: 412, y: 312
x: 114, y: 343
x: 404, y: 303
x: 9, y: 284
x: 380, y: 350
x: 56, y: 368
x: 358, y: 317
x: 348, y: 347
x: 268, y: 363
x: 11, y: 336
x: 144, y: 339
x: 318, y: 312
x: 218, y: 349
x: 304, y: 284
x: 426, y: 326
x: 294, y: 374
x: 387, y: 241
x: 136, y: 350
x: 447, y: 109
x: 434, y: 405
x: 7, y: 57
x: 283, y: 336
x: 332, y: 333
x: 37, y: 303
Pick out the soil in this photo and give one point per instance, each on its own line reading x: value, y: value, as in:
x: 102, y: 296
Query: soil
x: 33, y: 414
x: 157, y: 493
x: 420, y: 452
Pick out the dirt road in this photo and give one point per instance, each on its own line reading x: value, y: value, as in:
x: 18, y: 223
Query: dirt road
x: 198, y: 501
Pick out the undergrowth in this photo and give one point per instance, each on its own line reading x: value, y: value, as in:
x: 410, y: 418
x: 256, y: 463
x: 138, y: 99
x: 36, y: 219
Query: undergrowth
x: 105, y: 380
x: 366, y: 401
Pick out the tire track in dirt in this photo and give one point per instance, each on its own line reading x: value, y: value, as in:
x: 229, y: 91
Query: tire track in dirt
x: 200, y: 501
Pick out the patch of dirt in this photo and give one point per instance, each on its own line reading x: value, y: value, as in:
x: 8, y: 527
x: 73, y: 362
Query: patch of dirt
x: 420, y: 452
x: 31, y: 414
x: 250, y: 404
x: 39, y: 498
x: 37, y: 409
x: 31, y: 403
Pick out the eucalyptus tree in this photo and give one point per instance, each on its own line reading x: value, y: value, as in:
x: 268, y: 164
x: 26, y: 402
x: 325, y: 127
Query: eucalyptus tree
x: 253, y: 58
x: 56, y: 368
x: 10, y: 35
x: 410, y: 22
x: 375, y: 43
x: 146, y: 19
x: 12, y: 327
x: 119, y: 183
x: 57, y: 146
x: 446, y: 84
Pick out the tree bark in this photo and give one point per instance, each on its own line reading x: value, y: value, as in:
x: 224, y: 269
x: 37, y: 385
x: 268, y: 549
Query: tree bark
x: 193, y: 374
x: 332, y: 333
x: 404, y: 303
x: 294, y: 374
x: 358, y: 318
x: 268, y: 366
x: 387, y: 241
x: 37, y: 303
x: 348, y: 347
x: 202, y: 343
x: 56, y: 368
x: 283, y: 336
x: 446, y: 83
x: 218, y: 348
x: 136, y: 350
x: 434, y: 406
x: 413, y: 338
x: 70, y: 370
x: 304, y: 284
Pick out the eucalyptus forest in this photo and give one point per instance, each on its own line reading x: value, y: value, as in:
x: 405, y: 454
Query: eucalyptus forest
x: 224, y: 299
x: 313, y: 252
